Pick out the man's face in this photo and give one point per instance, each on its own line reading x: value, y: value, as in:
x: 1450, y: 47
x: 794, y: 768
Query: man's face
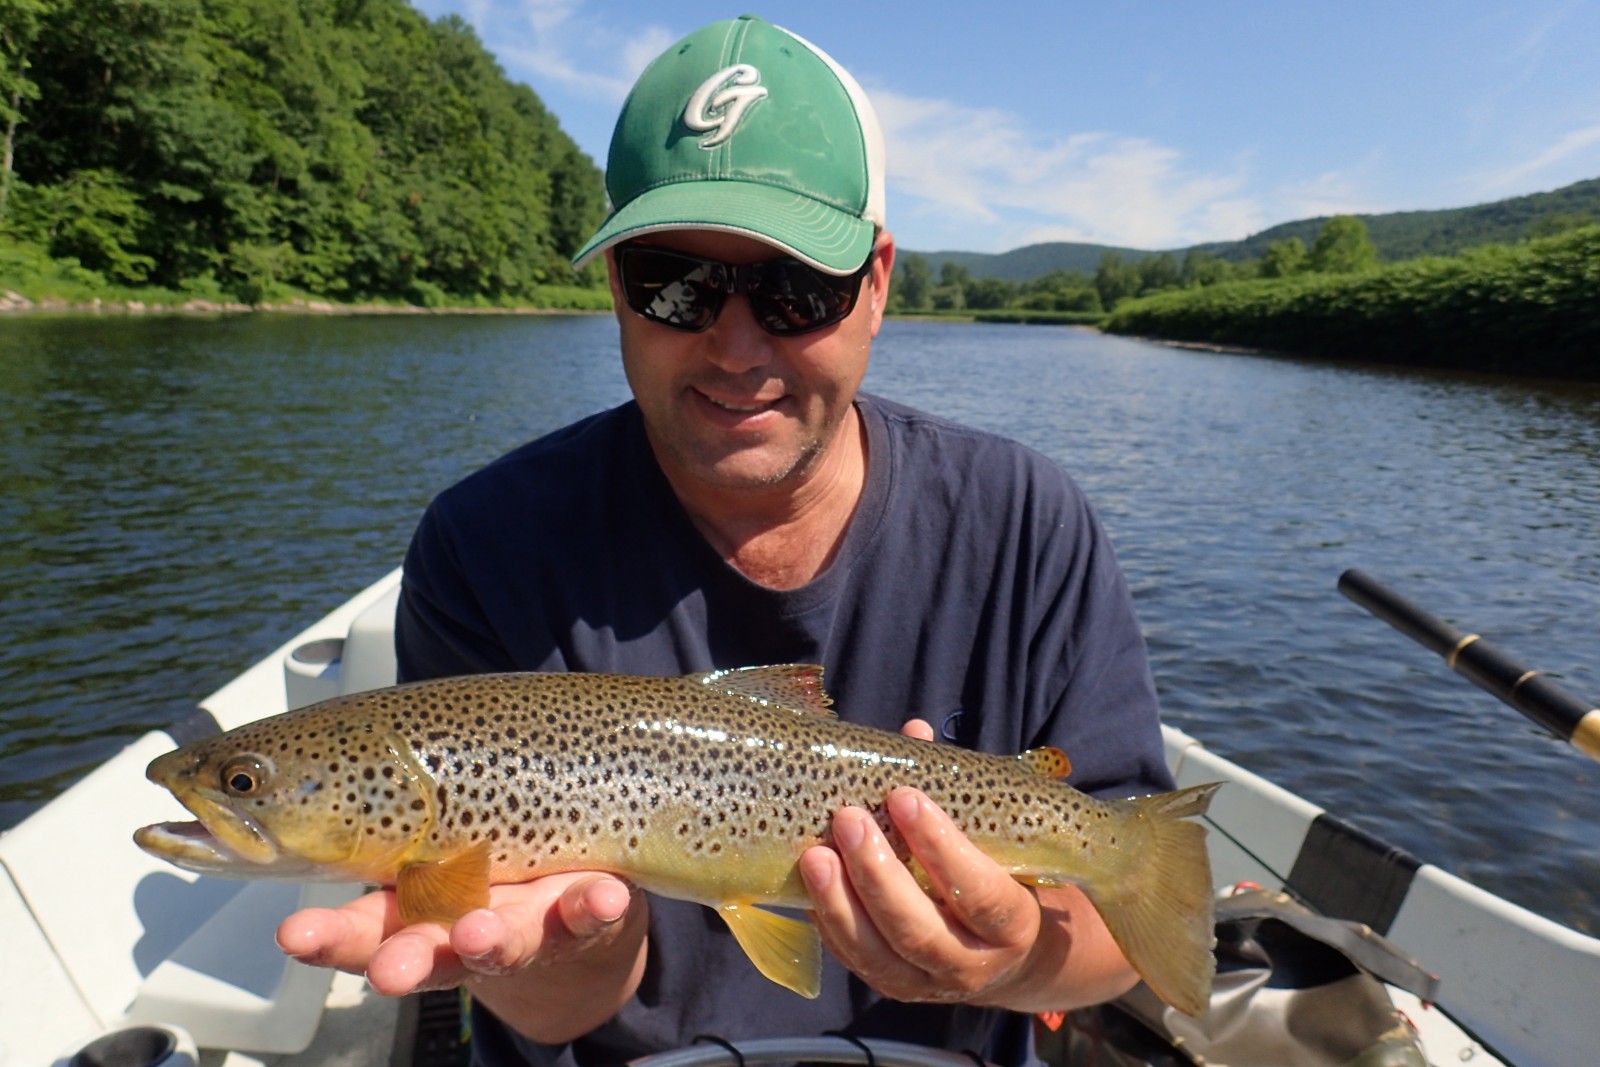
x: 734, y: 407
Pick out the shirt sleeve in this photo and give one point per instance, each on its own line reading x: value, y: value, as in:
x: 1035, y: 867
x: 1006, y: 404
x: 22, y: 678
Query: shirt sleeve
x: 1102, y: 707
x: 441, y: 628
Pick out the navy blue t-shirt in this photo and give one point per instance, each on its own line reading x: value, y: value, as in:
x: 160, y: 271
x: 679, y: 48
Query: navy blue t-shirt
x: 974, y: 589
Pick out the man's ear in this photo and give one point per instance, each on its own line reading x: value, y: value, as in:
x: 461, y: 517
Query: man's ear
x: 881, y: 276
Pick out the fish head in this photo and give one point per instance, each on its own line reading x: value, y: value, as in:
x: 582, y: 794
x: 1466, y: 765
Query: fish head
x: 312, y: 795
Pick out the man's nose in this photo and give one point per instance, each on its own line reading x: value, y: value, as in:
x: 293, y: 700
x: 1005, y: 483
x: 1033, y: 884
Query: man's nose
x: 736, y: 342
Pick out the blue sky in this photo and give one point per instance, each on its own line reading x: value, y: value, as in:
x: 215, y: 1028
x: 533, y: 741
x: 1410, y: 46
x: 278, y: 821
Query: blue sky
x: 1150, y: 125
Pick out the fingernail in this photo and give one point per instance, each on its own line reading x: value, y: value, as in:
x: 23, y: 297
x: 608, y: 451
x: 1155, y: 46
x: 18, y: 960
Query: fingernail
x: 850, y: 829
x: 611, y: 905
x: 904, y: 806
x: 818, y: 874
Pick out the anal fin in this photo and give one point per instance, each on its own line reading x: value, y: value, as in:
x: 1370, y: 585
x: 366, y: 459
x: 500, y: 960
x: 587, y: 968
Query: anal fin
x: 444, y: 890
x: 786, y: 950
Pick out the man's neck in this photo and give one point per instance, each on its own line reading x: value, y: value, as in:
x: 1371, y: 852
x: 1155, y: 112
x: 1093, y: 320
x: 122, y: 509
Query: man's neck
x: 786, y: 536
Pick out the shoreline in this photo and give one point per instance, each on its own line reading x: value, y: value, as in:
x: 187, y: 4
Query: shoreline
x: 13, y: 303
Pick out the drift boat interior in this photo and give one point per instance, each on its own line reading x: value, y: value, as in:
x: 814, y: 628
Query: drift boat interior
x: 114, y: 959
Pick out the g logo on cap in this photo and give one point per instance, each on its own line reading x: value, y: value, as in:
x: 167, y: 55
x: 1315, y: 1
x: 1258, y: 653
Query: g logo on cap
x: 722, y: 101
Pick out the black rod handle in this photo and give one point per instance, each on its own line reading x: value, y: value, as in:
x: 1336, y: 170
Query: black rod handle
x: 1535, y: 695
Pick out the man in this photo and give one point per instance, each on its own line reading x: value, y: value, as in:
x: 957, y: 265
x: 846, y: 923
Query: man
x: 751, y: 506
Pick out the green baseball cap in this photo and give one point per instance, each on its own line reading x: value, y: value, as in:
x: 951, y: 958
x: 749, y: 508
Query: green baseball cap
x: 745, y: 128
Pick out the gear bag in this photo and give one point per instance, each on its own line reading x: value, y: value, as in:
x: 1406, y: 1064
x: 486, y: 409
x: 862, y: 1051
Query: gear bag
x: 1293, y: 989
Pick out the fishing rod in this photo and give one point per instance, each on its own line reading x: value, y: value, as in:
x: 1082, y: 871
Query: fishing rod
x: 1535, y: 695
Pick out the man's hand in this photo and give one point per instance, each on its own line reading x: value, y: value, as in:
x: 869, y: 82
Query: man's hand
x: 554, y: 957
x: 979, y: 938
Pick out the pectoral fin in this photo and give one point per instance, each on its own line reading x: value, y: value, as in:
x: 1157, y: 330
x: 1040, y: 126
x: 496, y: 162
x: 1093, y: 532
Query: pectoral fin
x: 786, y: 950
x: 443, y: 891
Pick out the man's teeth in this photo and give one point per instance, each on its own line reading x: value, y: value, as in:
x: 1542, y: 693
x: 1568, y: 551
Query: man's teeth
x: 742, y: 409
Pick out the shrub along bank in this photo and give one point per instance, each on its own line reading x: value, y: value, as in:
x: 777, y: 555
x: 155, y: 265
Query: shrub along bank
x: 1531, y: 308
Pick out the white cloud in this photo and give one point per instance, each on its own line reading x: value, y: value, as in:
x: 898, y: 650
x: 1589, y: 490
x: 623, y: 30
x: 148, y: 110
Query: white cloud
x: 1572, y: 144
x: 1334, y: 192
x: 984, y: 166
x: 555, y: 43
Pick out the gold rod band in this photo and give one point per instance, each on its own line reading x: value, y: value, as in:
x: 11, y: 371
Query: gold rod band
x: 1586, y: 735
x: 1450, y: 660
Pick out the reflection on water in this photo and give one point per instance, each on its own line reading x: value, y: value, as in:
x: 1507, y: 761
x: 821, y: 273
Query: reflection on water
x: 179, y: 496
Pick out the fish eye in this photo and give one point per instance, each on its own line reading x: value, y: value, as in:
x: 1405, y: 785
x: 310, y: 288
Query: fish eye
x: 243, y: 777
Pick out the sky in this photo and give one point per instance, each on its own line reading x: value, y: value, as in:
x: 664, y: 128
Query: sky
x: 1149, y: 125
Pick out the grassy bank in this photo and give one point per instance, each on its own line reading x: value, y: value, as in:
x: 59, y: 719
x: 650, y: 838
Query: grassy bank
x: 31, y: 280
x: 1530, y: 309
x: 1012, y: 315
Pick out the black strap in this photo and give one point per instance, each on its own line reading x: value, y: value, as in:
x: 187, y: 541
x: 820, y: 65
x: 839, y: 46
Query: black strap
x: 872, y: 1061
x: 725, y: 1043
x: 1362, y: 945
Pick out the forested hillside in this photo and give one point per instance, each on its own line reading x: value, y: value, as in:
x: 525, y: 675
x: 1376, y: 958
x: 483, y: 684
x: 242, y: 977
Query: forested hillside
x: 1403, y: 235
x: 1397, y: 236
x: 344, y: 148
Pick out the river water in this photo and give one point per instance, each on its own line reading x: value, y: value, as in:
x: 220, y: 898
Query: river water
x: 180, y: 495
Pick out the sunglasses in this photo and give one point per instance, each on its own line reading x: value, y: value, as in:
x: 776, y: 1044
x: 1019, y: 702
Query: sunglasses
x: 687, y: 293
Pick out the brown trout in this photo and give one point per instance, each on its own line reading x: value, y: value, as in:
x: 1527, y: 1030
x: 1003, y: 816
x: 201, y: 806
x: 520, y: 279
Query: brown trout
x: 704, y: 788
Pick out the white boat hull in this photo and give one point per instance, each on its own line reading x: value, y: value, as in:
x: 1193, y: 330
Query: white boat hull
x: 98, y: 936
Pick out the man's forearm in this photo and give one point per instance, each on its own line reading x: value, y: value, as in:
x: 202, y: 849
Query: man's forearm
x: 553, y: 1003
x: 1074, y: 963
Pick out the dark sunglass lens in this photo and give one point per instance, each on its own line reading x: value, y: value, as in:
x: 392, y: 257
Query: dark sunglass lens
x: 682, y: 292
x: 790, y: 297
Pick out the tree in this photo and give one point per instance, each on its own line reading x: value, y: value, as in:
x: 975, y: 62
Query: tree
x: 1343, y: 247
x: 343, y: 147
x: 953, y: 273
x: 1284, y: 258
x: 1115, y: 279
x: 1201, y: 268
x: 916, y: 281
x: 989, y: 292
x: 20, y: 21
x: 1158, y: 272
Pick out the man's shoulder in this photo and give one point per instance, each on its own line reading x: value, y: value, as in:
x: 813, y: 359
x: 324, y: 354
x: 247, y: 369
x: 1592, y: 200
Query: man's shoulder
x: 940, y: 447
x: 564, y: 461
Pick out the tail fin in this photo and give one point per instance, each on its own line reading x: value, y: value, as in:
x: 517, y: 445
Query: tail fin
x: 1161, y: 917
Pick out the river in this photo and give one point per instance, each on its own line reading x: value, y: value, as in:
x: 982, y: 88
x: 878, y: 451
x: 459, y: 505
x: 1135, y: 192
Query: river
x: 180, y: 495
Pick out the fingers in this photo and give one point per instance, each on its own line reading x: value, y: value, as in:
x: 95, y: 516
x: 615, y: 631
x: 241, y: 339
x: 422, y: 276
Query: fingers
x: 978, y: 892
x: 971, y: 935
x: 921, y: 729
x: 547, y: 920
x: 343, y: 938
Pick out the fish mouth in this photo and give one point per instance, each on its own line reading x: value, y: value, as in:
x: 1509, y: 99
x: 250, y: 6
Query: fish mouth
x: 224, y: 839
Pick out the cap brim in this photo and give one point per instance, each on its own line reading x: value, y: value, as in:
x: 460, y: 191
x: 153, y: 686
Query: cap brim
x: 825, y: 237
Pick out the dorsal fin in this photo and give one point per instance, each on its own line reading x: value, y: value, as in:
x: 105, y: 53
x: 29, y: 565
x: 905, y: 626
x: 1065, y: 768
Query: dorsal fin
x: 1046, y: 762
x: 791, y: 686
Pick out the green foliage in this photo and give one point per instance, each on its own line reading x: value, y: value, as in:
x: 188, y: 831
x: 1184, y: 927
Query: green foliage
x: 347, y: 149
x: 93, y: 217
x: 1116, y: 279
x: 1531, y: 308
x: 1285, y: 258
x: 1398, y: 236
x: 1343, y: 247
x: 916, y: 283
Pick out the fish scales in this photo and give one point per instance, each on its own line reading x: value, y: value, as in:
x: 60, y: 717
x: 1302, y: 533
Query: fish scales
x: 704, y: 788
x: 646, y: 775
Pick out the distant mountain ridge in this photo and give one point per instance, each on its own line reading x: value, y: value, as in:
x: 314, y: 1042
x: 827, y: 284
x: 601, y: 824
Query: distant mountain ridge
x: 1399, y: 235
